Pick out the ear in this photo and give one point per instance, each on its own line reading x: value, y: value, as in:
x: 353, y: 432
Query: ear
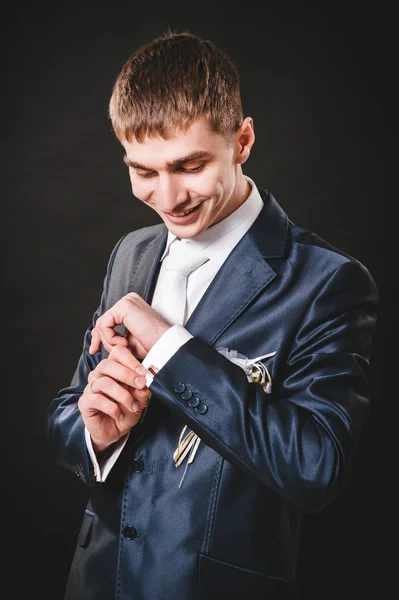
x: 244, y: 140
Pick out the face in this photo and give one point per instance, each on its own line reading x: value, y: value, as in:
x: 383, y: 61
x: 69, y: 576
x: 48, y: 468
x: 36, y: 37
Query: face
x: 194, y: 179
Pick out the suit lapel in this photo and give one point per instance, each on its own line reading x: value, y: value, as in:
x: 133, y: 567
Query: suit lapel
x: 244, y: 274
x: 146, y: 270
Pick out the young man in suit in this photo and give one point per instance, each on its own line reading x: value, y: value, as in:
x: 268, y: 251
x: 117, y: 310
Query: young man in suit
x: 205, y: 434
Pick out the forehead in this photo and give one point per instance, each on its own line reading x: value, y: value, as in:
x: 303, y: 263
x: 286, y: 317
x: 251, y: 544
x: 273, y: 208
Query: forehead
x: 155, y: 151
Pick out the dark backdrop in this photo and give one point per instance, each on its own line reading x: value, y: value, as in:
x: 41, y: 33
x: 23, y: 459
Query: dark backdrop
x: 320, y: 86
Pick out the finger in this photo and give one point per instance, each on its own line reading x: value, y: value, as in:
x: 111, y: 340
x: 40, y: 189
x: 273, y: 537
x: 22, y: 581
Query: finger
x: 140, y: 383
x: 95, y: 341
x: 137, y: 348
x: 98, y: 338
x: 105, y: 327
x: 114, y: 390
x: 110, y: 338
x: 91, y: 404
x: 140, y: 399
x: 125, y: 356
x: 140, y: 395
x: 118, y: 371
x: 116, y: 339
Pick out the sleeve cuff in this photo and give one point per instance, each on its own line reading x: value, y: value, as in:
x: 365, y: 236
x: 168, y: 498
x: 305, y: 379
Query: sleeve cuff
x: 164, y: 349
x: 102, y: 468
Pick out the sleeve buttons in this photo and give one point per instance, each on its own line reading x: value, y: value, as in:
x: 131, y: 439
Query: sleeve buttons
x: 179, y: 387
x: 201, y: 408
x: 186, y: 395
x: 194, y: 401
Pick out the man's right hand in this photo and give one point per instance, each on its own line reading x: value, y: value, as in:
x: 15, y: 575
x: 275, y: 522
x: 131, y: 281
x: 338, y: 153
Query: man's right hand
x: 114, y: 398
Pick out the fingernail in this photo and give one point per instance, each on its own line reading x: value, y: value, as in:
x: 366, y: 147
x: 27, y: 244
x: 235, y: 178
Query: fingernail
x: 141, y: 370
x: 121, y: 416
x: 139, y: 380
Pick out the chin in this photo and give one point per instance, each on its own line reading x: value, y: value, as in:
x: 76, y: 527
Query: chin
x: 186, y: 231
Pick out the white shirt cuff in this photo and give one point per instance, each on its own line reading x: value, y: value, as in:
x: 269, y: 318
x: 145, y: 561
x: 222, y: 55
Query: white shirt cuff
x: 101, y: 472
x: 165, y: 348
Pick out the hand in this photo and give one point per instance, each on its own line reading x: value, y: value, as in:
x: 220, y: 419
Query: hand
x: 114, y: 398
x: 144, y: 324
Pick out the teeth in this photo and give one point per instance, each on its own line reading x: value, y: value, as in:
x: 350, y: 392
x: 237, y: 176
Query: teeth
x: 182, y: 214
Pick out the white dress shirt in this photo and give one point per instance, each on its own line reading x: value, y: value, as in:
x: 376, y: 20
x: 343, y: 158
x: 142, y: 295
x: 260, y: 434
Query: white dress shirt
x: 216, y: 242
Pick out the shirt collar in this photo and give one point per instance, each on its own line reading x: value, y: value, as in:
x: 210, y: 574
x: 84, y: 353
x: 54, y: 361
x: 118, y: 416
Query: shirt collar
x: 214, y: 233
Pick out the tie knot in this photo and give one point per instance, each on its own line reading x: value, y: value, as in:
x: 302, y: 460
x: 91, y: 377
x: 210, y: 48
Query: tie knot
x: 170, y: 298
x: 184, y: 259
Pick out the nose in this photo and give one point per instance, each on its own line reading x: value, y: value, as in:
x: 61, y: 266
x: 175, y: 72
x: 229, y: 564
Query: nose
x: 169, y: 194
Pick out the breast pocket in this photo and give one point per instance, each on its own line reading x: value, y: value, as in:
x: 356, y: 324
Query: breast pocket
x: 219, y: 579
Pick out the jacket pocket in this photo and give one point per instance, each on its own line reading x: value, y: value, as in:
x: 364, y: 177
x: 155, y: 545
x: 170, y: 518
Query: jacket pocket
x: 84, y: 535
x: 219, y: 579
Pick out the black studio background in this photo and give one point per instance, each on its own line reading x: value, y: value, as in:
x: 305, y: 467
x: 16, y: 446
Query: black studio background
x: 320, y: 84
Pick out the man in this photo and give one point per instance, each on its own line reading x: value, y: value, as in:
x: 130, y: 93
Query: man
x: 205, y: 434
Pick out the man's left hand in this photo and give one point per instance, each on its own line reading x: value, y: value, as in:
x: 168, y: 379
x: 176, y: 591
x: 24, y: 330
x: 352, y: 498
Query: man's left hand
x: 144, y: 324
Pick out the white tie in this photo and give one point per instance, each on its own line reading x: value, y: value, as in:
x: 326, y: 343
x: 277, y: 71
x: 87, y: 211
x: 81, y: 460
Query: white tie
x: 182, y: 260
x: 172, y: 304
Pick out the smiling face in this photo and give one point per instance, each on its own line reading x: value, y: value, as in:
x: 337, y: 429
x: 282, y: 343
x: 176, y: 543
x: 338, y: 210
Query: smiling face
x: 192, y: 180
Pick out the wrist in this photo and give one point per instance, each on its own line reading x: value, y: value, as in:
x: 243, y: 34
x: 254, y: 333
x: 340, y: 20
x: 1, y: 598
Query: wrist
x: 158, y: 333
x: 99, y: 447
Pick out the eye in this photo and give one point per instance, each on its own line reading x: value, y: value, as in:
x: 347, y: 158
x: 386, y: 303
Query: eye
x: 194, y: 170
x: 181, y: 169
x: 146, y: 175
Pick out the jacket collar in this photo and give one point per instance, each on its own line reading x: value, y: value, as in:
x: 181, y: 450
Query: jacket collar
x: 270, y: 230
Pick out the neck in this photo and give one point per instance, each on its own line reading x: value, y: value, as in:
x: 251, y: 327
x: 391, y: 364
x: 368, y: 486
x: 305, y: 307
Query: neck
x: 243, y: 189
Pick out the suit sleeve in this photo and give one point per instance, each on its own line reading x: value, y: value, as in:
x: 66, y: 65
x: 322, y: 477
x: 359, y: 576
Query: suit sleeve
x: 300, y: 440
x: 65, y: 427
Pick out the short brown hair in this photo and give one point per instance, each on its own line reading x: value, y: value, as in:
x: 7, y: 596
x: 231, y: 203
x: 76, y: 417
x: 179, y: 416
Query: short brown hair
x: 172, y: 81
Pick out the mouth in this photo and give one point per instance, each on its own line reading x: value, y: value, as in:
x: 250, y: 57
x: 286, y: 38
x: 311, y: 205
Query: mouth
x: 183, y: 216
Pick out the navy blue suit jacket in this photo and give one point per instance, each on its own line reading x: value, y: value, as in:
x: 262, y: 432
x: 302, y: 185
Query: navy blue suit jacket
x: 232, y: 529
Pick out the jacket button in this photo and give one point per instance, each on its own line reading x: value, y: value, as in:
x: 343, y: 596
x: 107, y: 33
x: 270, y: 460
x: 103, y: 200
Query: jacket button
x: 186, y: 395
x: 129, y: 532
x: 180, y: 387
x: 194, y: 401
x: 201, y: 409
x: 137, y: 465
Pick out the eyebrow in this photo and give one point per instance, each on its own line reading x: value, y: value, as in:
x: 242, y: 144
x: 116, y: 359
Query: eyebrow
x: 195, y: 155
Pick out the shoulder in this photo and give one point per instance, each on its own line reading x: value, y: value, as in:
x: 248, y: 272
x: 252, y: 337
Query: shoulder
x: 135, y: 242
x: 327, y: 263
x: 309, y: 243
x: 130, y: 262
x: 141, y: 237
x: 307, y: 255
